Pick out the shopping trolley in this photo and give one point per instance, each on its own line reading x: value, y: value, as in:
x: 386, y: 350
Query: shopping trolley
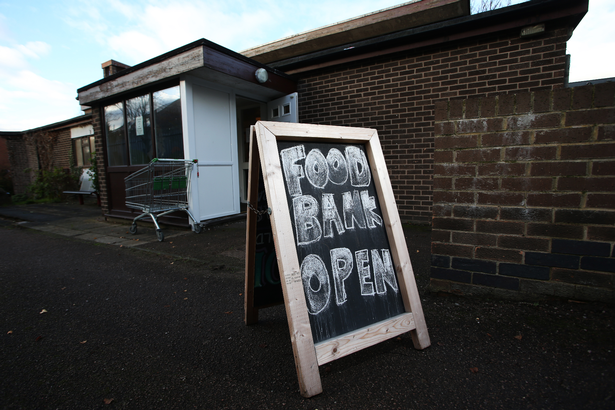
x: 160, y: 188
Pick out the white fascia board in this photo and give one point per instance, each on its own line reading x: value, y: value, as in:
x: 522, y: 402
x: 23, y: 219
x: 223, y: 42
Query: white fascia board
x: 82, y: 131
x: 175, y: 65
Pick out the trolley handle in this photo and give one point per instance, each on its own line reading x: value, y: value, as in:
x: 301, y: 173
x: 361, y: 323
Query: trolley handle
x: 173, y: 160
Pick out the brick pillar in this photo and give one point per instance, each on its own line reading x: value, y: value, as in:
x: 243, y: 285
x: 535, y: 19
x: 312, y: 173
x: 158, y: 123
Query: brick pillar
x: 101, y: 158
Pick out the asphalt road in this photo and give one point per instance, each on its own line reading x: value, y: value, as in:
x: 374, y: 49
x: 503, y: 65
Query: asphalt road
x: 87, y: 325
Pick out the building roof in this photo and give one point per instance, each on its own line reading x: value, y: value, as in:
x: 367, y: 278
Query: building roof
x: 409, y: 26
x: 201, y: 58
x: 523, y: 15
x: 415, y: 13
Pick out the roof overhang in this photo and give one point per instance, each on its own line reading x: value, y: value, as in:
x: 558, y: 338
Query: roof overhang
x: 72, y: 122
x: 415, y: 13
x: 514, y: 17
x: 202, y: 59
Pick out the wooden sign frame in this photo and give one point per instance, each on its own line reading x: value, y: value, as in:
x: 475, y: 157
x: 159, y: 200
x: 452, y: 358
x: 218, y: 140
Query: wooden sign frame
x: 308, y: 356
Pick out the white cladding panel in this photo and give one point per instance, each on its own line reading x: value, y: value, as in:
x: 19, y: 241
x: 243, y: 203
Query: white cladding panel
x: 212, y: 123
x: 215, y: 147
x: 215, y: 184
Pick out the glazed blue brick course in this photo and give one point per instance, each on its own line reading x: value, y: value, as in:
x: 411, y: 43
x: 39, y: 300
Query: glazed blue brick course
x: 574, y: 216
x: 496, y: 281
x: 598, y: 264
x: 474, y: 265
x: 555, y: 260
x: 524, y: 271
x: 581, y: 247
x: 452, y: 275
x: 441, y: 261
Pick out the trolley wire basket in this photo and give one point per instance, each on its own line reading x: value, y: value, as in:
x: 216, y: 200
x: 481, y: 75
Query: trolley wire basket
x: 161, y: 187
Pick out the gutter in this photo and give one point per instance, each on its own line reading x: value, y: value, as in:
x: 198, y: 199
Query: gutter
x: 513, y: 17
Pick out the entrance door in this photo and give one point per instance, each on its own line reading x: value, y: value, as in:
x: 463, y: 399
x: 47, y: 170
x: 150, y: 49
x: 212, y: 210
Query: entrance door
x: 215, y: 145
x: 285, y: 109
x: 215, y: 122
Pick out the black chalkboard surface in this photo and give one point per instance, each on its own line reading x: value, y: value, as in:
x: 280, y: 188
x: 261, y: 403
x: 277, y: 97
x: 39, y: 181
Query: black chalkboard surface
x: 346, y: 266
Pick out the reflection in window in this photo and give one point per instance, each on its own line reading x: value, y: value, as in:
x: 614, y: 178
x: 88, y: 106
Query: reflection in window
x: 139, y: 130
x: 78, y: 152
x: 168, y: 117
x: 116, y: 141
x: 144, y: 136
x: 83, y: 147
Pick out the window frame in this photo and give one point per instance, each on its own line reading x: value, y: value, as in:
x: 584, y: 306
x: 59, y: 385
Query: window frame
x: 149, y: 92
x: 85, y: 162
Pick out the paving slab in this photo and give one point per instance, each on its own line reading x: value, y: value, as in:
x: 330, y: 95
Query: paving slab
x: 87, y: 236
x: 109, y: 240
x: 58, y: 230
x: 83, y: 225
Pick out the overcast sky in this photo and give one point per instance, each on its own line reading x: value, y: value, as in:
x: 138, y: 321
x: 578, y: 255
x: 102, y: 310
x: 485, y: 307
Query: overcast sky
x: 50, y: 48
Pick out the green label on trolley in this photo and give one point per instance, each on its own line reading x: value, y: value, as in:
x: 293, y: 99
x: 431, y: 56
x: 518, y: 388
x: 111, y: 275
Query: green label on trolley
x: 177, y: 182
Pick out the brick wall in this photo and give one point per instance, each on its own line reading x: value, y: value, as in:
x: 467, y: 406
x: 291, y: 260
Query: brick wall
x: 23, y: 156
x: 24, y: 163
x: 63, y: 149
x: 5, y: 163
x: 396, y: 94
x: 524, y: 194
x: 103, y: 193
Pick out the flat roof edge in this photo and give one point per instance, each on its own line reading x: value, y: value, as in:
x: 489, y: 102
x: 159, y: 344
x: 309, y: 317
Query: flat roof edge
x: 59, y: 124
x: 389, y: 20
x: 528, y: 13
x: 198, y: 43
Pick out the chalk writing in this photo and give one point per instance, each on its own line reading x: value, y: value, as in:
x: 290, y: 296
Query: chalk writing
x: 317, y: 168
x: 346, y: 267
x: 316, y: 281
x: 316, y: 278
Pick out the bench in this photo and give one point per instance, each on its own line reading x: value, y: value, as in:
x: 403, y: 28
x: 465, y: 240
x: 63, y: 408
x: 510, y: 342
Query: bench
x: 85, y: 187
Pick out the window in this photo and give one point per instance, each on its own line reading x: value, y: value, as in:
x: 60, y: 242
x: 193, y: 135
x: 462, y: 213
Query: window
x: 280, y: 111
x: 116, y: 141
x: 135, y: 136
x: 83, y: 148
x: 168, y: 113
x: 139, y: 130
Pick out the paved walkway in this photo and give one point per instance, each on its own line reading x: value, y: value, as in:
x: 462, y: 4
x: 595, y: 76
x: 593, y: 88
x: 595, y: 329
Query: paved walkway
x: 84, y: 222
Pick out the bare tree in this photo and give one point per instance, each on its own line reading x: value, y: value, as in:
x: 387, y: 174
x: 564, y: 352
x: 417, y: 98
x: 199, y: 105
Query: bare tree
x: 479, y: 6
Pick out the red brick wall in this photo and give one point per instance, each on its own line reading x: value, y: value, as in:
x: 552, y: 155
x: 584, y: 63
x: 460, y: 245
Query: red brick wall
x: 103, y: 193
x: 396, y: 94
x: 5, y: 163
x: 24, y: 163
x: 63, y: 149
x: 23, y: 155
x: 524, y: 194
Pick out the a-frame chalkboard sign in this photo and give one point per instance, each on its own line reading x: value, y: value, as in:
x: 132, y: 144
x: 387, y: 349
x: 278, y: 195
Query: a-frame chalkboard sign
x: 343, y: 264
